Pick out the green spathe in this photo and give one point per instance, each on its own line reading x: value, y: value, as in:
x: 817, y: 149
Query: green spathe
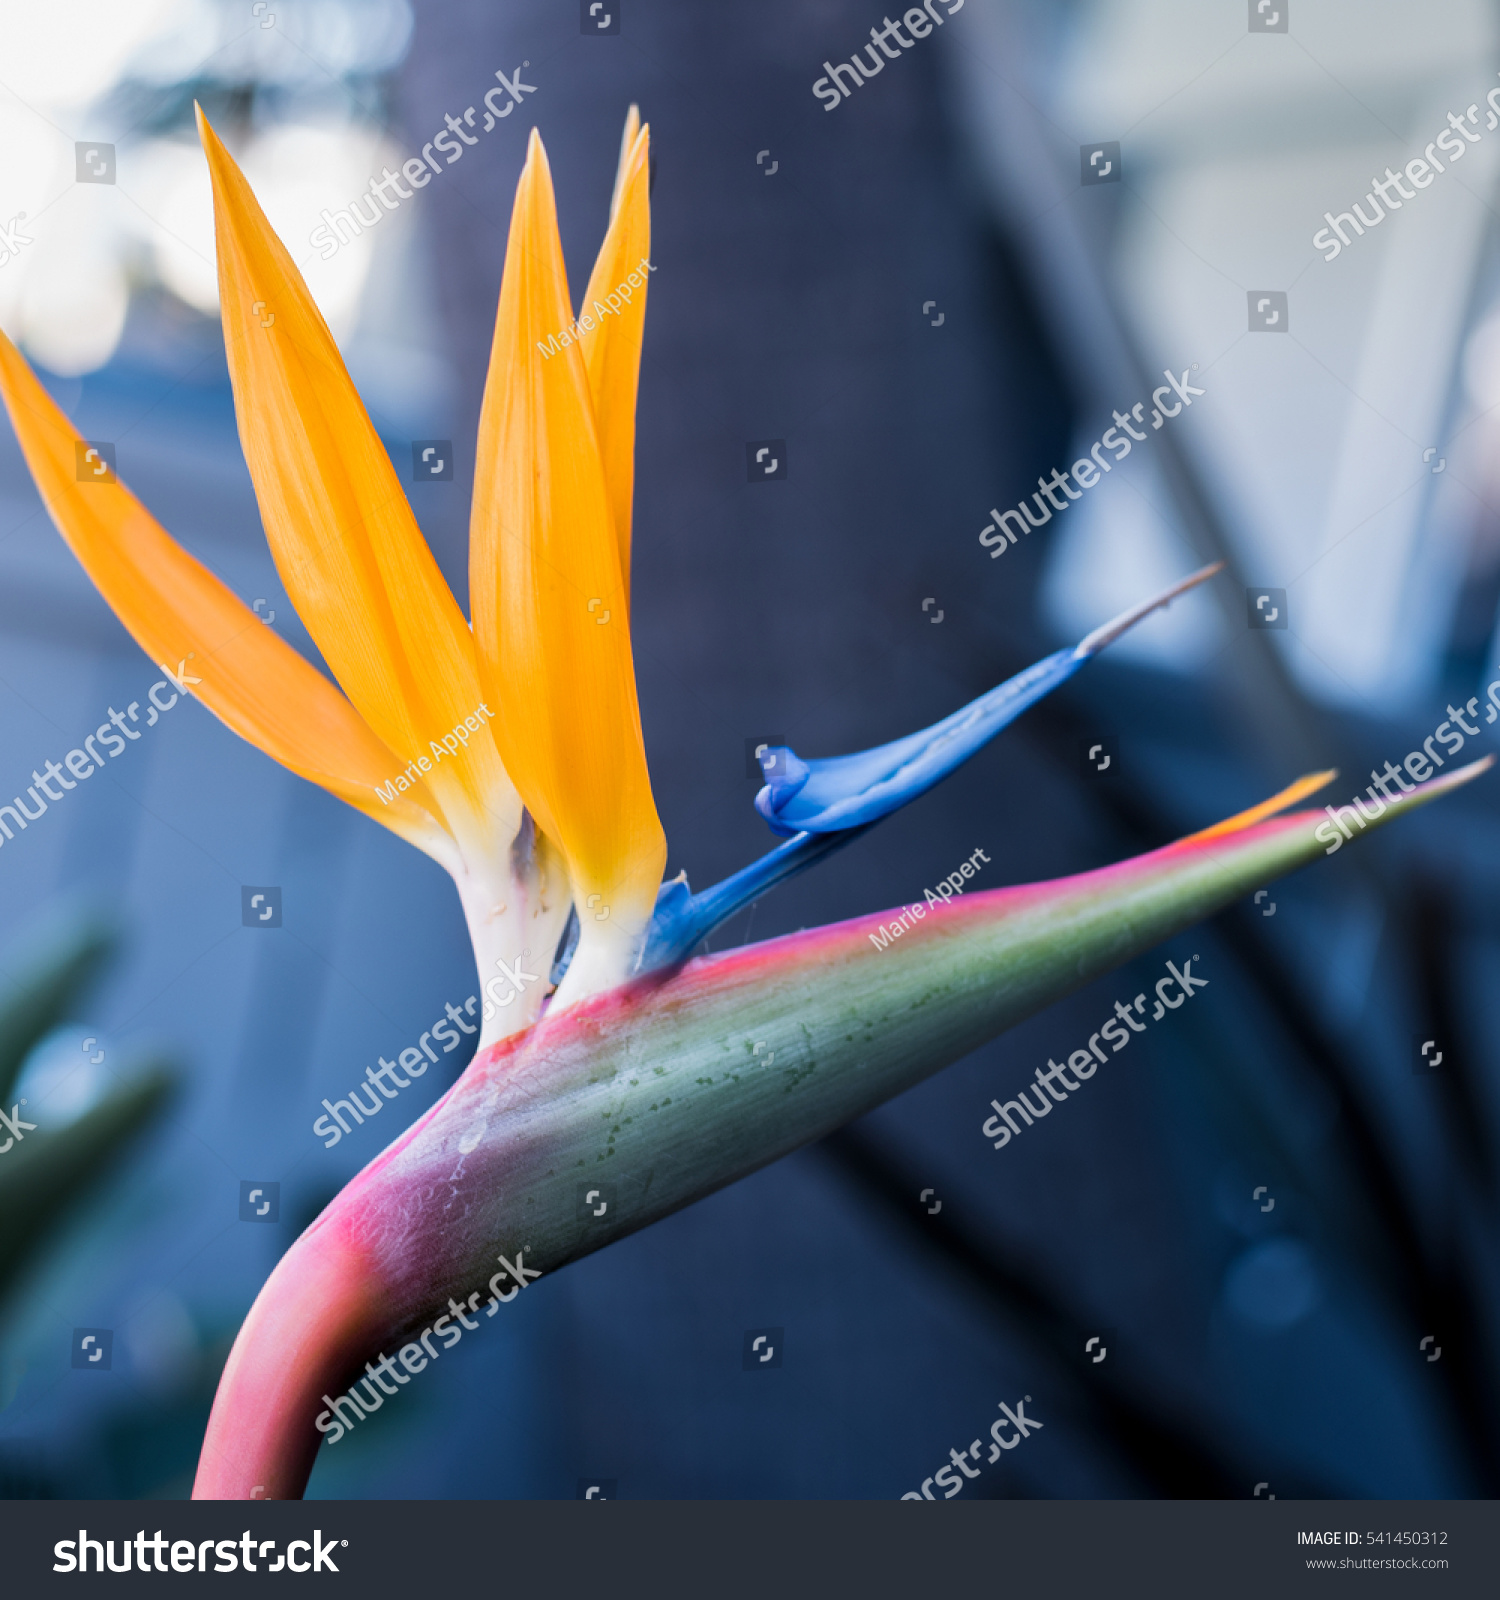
x: 672, y: 1087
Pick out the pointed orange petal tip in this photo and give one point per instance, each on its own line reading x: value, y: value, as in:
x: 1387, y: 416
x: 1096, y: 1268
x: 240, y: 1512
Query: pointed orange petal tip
x: 1304, y: 786
x: 178, y: 611
x: 341, y: 530
x: 210, y: 140
x: 627, y: 145
x: 1317, y: 780
x: 545, y: 580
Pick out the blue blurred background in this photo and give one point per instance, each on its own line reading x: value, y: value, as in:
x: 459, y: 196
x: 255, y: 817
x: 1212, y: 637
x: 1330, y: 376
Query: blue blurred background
x: 915, y: 292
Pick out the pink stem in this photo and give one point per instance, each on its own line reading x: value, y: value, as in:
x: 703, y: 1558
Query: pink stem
x: 305, y: 1334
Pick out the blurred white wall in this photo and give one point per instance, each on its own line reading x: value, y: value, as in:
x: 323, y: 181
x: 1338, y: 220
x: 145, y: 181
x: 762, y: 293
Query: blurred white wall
x: 122, y: 72
x: 1234, y: 144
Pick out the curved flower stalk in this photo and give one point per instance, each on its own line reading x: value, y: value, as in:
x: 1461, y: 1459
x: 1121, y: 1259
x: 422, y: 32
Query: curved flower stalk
x: 511, y: 752
x: 672, y: 1087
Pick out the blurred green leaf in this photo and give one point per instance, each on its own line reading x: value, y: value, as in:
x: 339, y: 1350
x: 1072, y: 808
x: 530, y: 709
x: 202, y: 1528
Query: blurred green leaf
x: 50, y: 985
x: 42, y: 1177
x: 46, y: 1171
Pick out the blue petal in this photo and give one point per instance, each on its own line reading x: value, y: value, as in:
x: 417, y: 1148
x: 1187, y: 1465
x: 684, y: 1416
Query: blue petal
x: 853, y: 791
x: 682, y: 919
x: 822, y: 805
x: 786, y: 776
x: 850, y: 791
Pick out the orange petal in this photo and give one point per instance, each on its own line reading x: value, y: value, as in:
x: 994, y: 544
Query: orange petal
x: 177, y: 611
x: 343, y: 536
x: 549, y: 601
x: 612, y: 348
x: 1310, y: 784
x: 627, y: 144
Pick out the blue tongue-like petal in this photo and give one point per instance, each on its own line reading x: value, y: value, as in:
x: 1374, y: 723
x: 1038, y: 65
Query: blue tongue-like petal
x: 822, y: 804
x: 850, y: 791
x: 786, y: 775
x: 853, y: 791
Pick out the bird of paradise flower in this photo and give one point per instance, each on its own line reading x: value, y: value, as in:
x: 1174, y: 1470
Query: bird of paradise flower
x: 641, y: 1064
